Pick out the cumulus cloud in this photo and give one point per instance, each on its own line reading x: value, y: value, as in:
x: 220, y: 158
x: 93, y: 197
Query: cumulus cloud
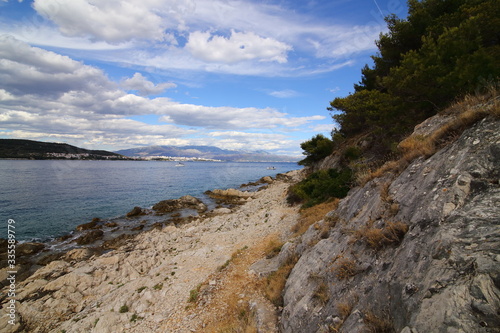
x: 238, y: 36
x: 30, y: 70
x: 145, y: 87
x: 237, y: 47
x: 112, y: 21
x: 47, y: 95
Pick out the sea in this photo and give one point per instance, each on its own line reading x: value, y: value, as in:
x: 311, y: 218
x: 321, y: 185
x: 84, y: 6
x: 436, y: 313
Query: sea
x: 49, y: 198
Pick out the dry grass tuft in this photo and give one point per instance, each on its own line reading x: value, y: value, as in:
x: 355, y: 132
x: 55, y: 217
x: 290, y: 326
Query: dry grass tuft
x: 273, y: 247
x: 384, y: 192
x: 391, y: 234
x: 243, y: 322
x: 344, y: 309
x: 378, y: 325
x: 311, y: 215
x: 322, y: 293
x: 465, y: 112
x: 275, y: 282
x: 344, y: 268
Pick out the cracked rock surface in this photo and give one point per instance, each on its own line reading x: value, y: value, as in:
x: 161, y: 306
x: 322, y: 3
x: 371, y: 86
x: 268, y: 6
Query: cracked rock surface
x: 444, y: 276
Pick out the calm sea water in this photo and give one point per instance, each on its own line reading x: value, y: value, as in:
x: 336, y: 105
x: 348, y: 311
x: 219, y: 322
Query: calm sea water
x: 50, y: 198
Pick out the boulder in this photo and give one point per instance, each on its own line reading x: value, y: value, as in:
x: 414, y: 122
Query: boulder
x: 136, y: 211
x: 25, y: 249
x: 221, y: 211
x: 138, y: 228
x: 90, y: 237
x: 90, y: 225
x: 117, y: 241
x: 229, y: 196
x: 267, y: 180
x: 111, y: 224
x: 185, y: 202
x: 78, y: 254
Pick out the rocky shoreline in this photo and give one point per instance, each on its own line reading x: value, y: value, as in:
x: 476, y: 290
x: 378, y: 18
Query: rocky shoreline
x: 63, y: 290
x: 101, y: 235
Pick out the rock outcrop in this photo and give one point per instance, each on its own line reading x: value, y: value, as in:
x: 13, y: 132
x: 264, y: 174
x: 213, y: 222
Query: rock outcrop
x: 185, y: 202
x: 416, y: 253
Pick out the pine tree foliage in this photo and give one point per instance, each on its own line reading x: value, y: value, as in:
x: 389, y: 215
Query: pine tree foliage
x: 441, y: 51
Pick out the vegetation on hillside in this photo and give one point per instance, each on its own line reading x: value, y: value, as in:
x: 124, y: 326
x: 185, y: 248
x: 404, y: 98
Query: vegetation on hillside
x: 316, y: 149
x: 29, y: 149
x: 444, y: 50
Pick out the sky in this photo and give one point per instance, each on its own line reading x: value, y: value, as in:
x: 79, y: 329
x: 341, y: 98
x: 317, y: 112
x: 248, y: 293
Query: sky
x: 236, y: 74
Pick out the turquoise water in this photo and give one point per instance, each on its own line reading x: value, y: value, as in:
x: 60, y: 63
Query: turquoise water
x: 50, y: 198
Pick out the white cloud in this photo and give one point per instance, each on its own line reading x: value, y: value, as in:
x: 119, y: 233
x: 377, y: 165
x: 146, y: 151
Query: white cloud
x: 145, y: 87
x: 25, y: 69
x: 238, y: 37
x: 323, y: 128
x: 238, y: 47
x: 287, y: 93
x: 112, y: 21
x: 5, y: 95
x: 249, y: 140
x: 46, y: 95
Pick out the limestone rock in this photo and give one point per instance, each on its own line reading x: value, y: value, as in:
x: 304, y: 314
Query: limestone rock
x: 221, y: 210
x: 187, y: 201
x: 136, y: 211
x: 90, y: 237
x: 78, y: 254
x: 442, y: 277
x: 91, y: 225
x: 25, y: 249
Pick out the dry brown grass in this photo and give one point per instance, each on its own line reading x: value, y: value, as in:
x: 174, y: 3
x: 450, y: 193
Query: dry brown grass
x: 229, y: 311
x: 377, y: 238
x: 384, y: 192
x: 311, y: 215
x: 273, y: 247
x: 344, y: 268
x: 344, y: 309
x: 322, y: 293
x: 377, y: 324
x: 465, y: 112
x: 275, y: 283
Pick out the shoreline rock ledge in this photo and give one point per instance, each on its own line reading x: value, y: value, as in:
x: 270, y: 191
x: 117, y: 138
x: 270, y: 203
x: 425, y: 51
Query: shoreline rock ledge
x: 144, y: 285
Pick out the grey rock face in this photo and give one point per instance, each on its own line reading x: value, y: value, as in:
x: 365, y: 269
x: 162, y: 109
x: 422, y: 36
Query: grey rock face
x: 444, y: 276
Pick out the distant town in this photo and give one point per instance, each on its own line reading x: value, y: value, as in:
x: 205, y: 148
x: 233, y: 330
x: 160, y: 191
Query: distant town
x: 87, y: 156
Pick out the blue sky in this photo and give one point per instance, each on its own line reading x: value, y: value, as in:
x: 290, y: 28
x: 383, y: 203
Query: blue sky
x: 237, y: 74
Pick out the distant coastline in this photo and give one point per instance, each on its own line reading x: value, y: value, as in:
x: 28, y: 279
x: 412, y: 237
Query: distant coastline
x: 21, y: 149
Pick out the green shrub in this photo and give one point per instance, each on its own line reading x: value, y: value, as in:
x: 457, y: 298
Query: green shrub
x: 320, y: 186
x: 316, y: 149
x: 352, y: 153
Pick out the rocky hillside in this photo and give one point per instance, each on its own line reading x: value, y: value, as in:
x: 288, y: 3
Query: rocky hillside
x: 413, y: 250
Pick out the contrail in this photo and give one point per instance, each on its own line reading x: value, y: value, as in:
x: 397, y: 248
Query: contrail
x: 378, y: 8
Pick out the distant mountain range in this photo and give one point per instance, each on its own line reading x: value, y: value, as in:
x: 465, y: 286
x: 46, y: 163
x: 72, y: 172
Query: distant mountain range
x: 208, y: 152
x: 37, y: 150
